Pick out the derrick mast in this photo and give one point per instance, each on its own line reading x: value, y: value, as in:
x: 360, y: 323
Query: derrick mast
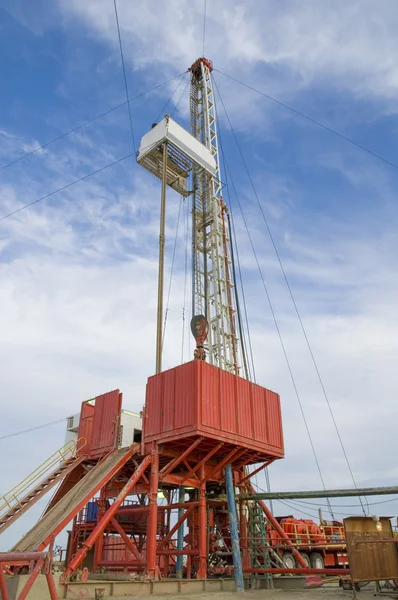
x: 211, y: 273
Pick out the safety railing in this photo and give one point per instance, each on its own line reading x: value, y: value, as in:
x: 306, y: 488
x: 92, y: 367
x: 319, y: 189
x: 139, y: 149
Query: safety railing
x: 13, y: 497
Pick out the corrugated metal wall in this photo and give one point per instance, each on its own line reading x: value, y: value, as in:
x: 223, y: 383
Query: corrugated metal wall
x: 199, y: 398
x: 106, y: 422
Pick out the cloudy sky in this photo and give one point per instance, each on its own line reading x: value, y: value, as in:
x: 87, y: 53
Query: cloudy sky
x: 78, y: 270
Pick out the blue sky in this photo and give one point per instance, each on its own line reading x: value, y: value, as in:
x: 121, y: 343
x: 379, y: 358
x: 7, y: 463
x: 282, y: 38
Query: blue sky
x: 78, y: 271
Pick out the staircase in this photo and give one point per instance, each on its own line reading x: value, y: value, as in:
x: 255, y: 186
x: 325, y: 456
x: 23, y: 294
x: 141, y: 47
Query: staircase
x: 22, y: 496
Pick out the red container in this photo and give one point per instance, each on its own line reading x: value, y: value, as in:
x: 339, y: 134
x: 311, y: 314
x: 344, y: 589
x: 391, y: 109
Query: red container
x: 99, y: 423
x: 199, y: 399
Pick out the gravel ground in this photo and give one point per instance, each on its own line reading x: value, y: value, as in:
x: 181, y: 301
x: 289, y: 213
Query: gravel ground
x: 331, y: 593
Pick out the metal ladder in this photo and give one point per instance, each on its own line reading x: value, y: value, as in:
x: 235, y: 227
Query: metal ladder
x: 21, y: 497
x: 258, y: 543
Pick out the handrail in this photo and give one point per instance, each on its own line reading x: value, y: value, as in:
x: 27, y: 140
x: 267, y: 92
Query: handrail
x: 14, y: 496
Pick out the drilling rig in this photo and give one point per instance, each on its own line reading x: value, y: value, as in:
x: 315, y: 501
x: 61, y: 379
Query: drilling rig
x: 203, y: 423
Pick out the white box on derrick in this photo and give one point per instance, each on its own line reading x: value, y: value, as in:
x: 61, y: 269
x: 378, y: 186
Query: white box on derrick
x: 184, y: 152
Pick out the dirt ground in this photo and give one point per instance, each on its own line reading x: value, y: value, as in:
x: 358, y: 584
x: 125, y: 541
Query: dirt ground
x: 330, y: 593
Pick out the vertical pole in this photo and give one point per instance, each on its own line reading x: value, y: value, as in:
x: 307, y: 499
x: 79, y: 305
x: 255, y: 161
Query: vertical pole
x: 52, y: 588
x: 243, y: 525
x: 159, y: 330
x: 3, y: 584
x: 180, y: 533
x: 153, y: 516
x: 233, y: 525
x: 202, y: 571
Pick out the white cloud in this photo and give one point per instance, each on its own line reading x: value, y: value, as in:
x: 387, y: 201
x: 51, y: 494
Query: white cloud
x: 332, y: 44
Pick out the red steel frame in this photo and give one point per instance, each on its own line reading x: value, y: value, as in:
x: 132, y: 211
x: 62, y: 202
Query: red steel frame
x: 43, y: 560
x: 156, y: 553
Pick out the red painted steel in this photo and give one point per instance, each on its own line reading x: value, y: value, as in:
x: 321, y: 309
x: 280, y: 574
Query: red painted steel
x: 114, y: 549
x: 101, y: 525
x: 52, y: 588
x: 153, y: 515
x: 32, y: 578
x: 92, y: 490
x: 106, y: 422
x: 86, y: 426
x: 11, y: 557
x: 303, y: 571
x: 3, y: 584
x: 285, y: 538
x: 199, y: 399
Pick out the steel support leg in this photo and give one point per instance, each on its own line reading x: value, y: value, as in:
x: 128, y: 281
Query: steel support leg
x: 180, y: 534
x: 202, y: 571
x: 233, y: 525
x: 32, y: 578
x: 3, y: 584
x: 52, y: 588
x: 153, y: 517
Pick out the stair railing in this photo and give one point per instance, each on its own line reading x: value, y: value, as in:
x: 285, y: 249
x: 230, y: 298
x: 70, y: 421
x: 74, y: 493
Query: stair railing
x: 13, y: 497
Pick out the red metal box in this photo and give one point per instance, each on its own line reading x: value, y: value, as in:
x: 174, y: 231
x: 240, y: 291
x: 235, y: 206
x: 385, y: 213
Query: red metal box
x: 199, y: 399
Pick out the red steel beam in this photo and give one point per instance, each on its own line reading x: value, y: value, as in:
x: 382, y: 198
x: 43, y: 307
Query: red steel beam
x: 173, y: 551
x: 233, y: 454
x: 135, y: 509
x: 3, y: 584
x: 32, y: 578
x: 121, y: 563
x: 304, y: 571
x: 153, y: 516
x: 12, y: 557
x: 107, y: 477
x: 52, y: 588
x: 279, y: 530
x: 260, y: 468
x: 126, y: 539
x: 175, y: 479
x: 171, y: 465
x: 180, y: 521
x: 101, y: 525
x: 203, y: 461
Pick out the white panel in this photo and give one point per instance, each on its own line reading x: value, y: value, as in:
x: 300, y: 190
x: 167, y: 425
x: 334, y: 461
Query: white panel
x: 171, y: 131
x: 129, y: 422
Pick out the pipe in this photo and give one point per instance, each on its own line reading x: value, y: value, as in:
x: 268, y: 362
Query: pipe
x: 3, y: 584
x: 373, y: 491
x: 153, y: 517
x: 281, y: 532
x: 233, y: 525
x: 32, y: 578
x: 306, y: 571
x: 100, y: 527
x: 180, y: 533
x: 159, y: 329
x: 10, y: 557
x: 172, y: 531
x: 130, y: 510
x: 52, y: 588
